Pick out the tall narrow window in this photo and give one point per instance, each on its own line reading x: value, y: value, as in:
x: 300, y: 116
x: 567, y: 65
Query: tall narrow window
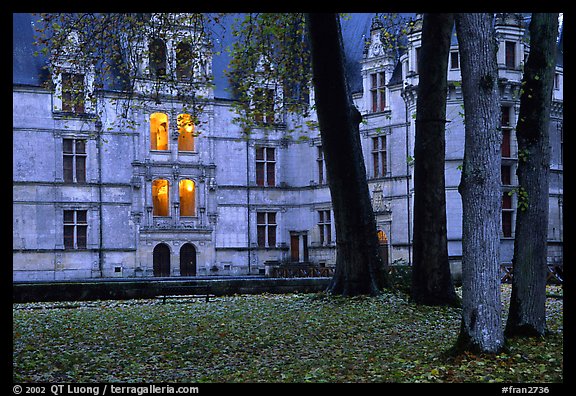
x: 265, y: 166
x: 187, y: 190
x: 184, y: 61
x: 266, y: 229
x: 157, y: 57
x: 507, y: 212
x: 75, y: 229
x: 185, y: 132
x: 561, y: 128
x: 510, y: 60
x: 325, y: 227
x: 160, y: 197
x: 378, y: 91
x: 73, y: 92
x: 321, y: 166
x: 417, y: 66
x: 379, y: 156
x: 506, y: 175
x: 159, y: 131
x: 454, y: 60
x: 264, y: 105
x: 74, y: 160
x: 506, y: 131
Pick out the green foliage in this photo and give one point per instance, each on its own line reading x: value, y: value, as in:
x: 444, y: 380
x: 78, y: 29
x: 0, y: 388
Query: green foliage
x: 522, y: 197
x: 113, y: 45
x: 267, y: 338
x: 270, y: 69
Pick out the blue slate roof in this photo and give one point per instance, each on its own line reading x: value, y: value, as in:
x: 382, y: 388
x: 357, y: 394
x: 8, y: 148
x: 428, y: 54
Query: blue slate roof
x: 29, y: 69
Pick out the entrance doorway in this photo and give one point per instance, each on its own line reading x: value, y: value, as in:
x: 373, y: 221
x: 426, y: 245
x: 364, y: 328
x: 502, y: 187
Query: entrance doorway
x: 188, y: 260
x: 161, y: 260
x: 298, y: 247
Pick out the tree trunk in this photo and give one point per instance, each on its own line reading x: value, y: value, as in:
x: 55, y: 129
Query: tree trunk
x: 481, y: 328
x: 359, y: 269
x: 431, y: 278
x: 527, y: 315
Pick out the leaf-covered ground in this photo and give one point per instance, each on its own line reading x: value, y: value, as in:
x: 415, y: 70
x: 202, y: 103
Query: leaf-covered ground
x: 268, y: 338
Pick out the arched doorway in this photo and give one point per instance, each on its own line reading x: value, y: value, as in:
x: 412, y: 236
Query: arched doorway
x: 188, y: 260
x: 383, y: 246
x: 161, y: 260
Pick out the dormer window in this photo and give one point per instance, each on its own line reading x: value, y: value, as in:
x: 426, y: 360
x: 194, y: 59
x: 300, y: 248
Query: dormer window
x: 510, y: 55
x: 184, y: 62
x: 378, y: 91
x: 73, y: 93
x: 264, y: 102
x: 157, y: 58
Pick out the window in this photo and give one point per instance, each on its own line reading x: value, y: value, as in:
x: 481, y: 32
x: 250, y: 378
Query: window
x: 74, y: 160
x: 159, y: 131
x: 321, y: 166
x: 185, y: 132
x: 507, y: 212
x: 417, y: 66
x: 160, y: 197
x: 378, y: 91
x: 506, y: 132
x: 266, y: 229
x: 454, y: 60
x: 187, y: 190
x: 264, y: 105
x: 75, y: 229
x: 325, y: 227
x: 506, y: 174
x: 265, y: 166
x: 184, y: 62
x: 561, y: 128
x: 556, y: 80
x: 73, y: 92
x: 157, y: 58
x: 379, y: 156
x: 510, y: 60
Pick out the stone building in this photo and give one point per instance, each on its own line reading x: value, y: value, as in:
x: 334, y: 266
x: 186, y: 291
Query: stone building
x: 169, y: 195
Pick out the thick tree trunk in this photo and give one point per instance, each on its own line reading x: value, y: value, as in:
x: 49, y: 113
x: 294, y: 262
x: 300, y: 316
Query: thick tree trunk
x: 431, y: 278
x: 527, y: 315
x: 481, y: 329
x: 359, y: 269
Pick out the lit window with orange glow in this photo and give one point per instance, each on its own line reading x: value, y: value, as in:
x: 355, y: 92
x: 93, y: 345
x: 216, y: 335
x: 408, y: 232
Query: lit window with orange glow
x: 160, y: 197
x: 159, y: 131
x: 382, y: 238
x: 185, y: 132
x: 187, y: 198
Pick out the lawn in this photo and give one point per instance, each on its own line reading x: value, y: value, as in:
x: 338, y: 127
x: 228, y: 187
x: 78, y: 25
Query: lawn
x: 268, y: 338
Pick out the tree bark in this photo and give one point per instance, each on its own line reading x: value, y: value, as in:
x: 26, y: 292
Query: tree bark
x: 431, y: 277
x: 481, y: 328
x: 527, y: 314
x: 359, y: 269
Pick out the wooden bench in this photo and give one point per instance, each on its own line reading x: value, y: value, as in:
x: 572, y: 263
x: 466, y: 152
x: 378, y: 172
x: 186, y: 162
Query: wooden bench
x: 185, y: 291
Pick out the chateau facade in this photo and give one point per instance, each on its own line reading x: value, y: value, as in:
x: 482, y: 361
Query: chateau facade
x: 171, y: 197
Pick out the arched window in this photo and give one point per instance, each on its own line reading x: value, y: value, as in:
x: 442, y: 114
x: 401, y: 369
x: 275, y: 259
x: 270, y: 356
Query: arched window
x: 184, y: 61
x: 187, y: 198
x: 159, y: 131
x: 185, y: 132
x: 382, y: 238
x: 160, y: 197
x: 157, y: 57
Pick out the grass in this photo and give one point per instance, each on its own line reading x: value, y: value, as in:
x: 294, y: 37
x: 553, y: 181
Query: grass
x: 268, y: 338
